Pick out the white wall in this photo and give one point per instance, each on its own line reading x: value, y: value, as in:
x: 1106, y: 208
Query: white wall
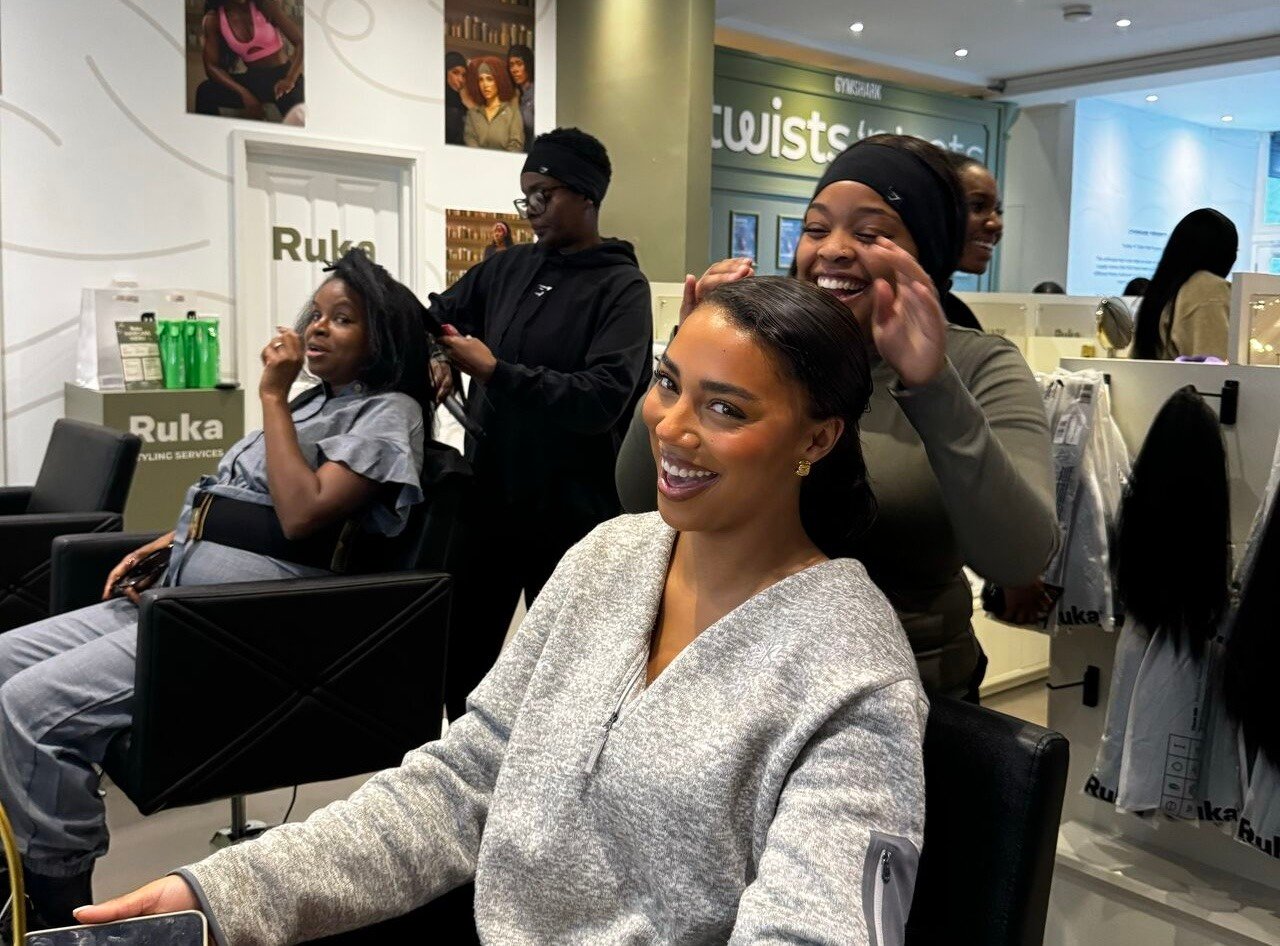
x: 105, y: 174
x: 1136, y: 174
x: 1037, y: 198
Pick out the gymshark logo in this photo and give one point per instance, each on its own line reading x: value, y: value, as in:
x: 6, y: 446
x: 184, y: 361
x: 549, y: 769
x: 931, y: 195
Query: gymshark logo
x: 542, y: 290
x: 892, y: 196
x: 542, y: 170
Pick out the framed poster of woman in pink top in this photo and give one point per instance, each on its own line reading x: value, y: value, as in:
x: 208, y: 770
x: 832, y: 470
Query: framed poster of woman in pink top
x: 245, y: 59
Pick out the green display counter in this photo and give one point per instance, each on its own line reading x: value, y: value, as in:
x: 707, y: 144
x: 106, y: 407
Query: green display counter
x: 184, y: 435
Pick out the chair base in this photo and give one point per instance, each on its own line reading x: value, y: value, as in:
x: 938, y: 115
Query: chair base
x: 240, y: 829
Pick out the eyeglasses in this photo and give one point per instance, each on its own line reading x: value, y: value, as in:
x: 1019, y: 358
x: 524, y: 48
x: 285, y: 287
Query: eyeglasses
x: 536, y: 202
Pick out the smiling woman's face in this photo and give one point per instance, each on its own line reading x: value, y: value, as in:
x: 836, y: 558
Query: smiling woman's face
x: 844, y: 217
x: 726, y: 425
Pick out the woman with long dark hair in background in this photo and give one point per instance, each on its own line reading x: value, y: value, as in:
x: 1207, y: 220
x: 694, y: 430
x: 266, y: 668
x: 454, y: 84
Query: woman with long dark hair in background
x: 956, y: 441
x: 250, y: 30
x: 1186, y: 307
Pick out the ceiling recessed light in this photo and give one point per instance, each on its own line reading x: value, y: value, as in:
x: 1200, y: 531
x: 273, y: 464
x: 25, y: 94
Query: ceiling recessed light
x: 1153, y: 98
x: 1228, y: 118
x: 856, y: 27
x: 961, y: 53
x: 1123, y: 22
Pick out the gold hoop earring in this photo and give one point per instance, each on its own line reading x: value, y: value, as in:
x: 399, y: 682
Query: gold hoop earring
x: 803, y: 468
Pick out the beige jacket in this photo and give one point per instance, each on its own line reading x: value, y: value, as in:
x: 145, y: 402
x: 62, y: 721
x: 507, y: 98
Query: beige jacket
x: 1195, y: 323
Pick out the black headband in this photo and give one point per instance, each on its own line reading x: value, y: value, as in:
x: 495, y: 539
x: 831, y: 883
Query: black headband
x: 569, y: 168
x: 925, y: 201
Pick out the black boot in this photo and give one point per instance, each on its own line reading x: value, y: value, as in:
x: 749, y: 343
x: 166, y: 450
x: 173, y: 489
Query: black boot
x: 53, y: 898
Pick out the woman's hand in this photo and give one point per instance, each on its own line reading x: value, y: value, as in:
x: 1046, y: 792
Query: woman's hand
x: 284, y: 87
x: 281, y: 362
x: 127, y: 563
x: 252, y: 107
x: 907, y: 324
x: 166, y: 895
x: 1026, y: 605
x: 717, y: 274
x: 469, y: 354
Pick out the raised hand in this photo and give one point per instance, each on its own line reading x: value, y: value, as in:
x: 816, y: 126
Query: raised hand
x: 717, y: 274
x: 907, y: 324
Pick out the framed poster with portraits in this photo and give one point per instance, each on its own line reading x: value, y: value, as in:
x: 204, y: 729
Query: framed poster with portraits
x: 744, y: 230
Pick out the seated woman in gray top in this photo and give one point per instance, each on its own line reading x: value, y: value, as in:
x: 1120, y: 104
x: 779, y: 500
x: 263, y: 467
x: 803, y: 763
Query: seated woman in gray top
x: 349, y: 457
x: 956, y: 441
x: 705, y: 731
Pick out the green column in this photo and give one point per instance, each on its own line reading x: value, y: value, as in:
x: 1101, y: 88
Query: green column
x: 637, y: 75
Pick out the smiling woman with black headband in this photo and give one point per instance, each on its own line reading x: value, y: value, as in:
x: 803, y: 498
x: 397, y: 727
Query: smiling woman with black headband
x: 956, y: 440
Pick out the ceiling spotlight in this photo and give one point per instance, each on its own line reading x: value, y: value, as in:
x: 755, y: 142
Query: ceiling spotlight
x: 1077, y: 12
x: 961, y: 53
x: 1228, y: 118
x: 1153, y: 98
x: 1123, y: 22
x: 856, y: 27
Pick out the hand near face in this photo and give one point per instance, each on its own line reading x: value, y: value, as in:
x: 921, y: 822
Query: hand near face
x: 717, y: 274
x: 469, y: 354
x: 281, y: 362
x: 907, y: 324
x: 283, y: 88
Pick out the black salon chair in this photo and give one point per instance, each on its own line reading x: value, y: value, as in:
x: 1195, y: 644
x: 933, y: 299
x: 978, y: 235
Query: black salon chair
x: 993, y: 799
x: 82, y: 487
x: 252, y: 686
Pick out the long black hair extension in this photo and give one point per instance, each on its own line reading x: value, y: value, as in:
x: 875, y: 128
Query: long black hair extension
x: 1203, y: 239
x: 1253, y: 646
x: 1172, y: 548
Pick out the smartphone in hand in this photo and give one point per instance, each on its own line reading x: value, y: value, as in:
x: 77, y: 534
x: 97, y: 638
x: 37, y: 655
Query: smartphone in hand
x: 187, y: 928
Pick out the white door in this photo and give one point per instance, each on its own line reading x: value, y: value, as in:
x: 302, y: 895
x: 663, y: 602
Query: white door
x: 298, y: 208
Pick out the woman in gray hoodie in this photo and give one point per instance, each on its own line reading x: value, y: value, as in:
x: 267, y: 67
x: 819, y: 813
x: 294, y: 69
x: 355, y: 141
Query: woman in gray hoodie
x: 706, y: 730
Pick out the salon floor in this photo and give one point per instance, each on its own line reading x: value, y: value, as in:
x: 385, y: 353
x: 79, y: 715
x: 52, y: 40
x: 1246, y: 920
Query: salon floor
x: 145, y: 848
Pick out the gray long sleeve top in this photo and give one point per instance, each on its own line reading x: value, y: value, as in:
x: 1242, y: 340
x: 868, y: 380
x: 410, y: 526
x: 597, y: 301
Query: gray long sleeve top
x: 961, y: 472
x: 767, y: 787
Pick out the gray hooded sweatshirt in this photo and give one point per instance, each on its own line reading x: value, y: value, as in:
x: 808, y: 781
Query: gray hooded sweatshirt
x: 767, y: 787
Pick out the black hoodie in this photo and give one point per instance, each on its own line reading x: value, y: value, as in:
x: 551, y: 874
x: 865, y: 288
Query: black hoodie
x: 573, y: 335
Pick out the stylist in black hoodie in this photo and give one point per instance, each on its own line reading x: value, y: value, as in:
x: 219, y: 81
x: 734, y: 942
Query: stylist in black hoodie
x: 557, y: 338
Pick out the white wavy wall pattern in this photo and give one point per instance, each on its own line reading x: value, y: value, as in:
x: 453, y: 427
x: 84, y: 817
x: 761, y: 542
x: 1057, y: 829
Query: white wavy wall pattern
x: 104, y: 174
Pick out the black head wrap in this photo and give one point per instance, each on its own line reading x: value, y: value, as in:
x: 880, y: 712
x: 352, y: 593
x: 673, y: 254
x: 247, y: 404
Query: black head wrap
x: 926, y: 202
x: 452, y: 60
x: 567, y: 167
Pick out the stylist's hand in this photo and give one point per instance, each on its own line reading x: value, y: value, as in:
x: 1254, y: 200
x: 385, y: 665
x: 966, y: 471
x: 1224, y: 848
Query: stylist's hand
x: 907, y: 324
x: 281, y: 362
x: 717, y: 274
x: 469, y: 354
x: 283, y: 87
x: 166, y: 895
x: 127, y: 563
x: 1027, y: 605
